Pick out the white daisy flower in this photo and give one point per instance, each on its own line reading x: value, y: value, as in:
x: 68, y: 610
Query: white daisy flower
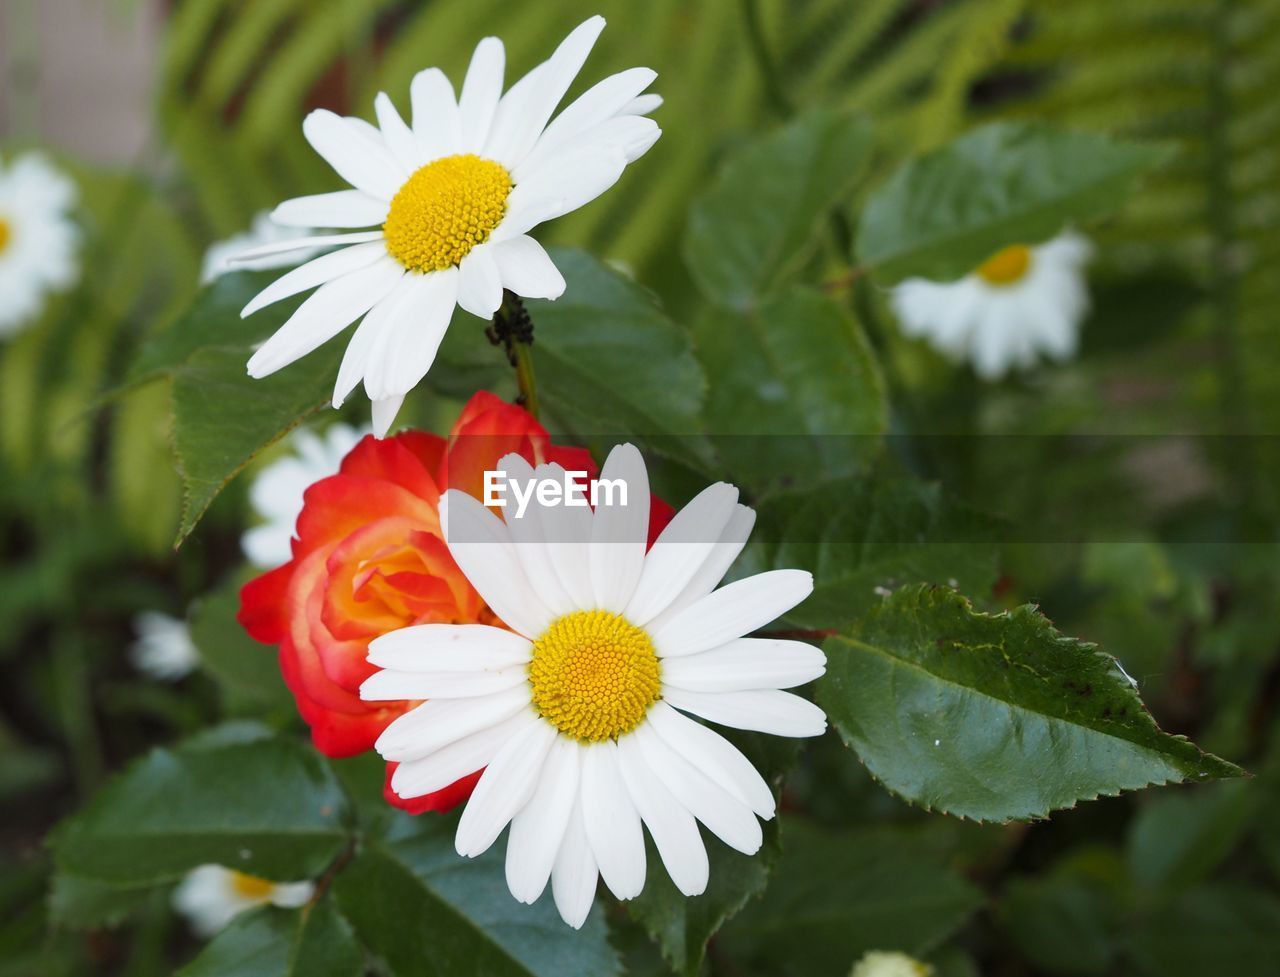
x: 211, y: 896
x: 878, y: 963
x: 164, y: 649
x: 218, y: 259
x: 453, y: 197
x: 577, y: 714
x: 276, y: 494
x: 1021, y: 303
x: 38, y: 239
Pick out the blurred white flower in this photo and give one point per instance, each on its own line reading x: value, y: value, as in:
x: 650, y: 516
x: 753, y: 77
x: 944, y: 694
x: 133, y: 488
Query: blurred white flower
x: 452, y: 198
x: 1022, y: 303
x: 164, y: 649
x: 276, y: 494
x: 38, y: 239
x: 211, y: 896
x: 878, y: 963
x: 263, y: 230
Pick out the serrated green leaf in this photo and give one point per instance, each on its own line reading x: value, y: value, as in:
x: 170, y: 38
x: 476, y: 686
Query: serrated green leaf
x: 835, y: 896
x: 270, y: 942
x: 941, y: 215
x: 270, y: 807
x: 798, y: 391
x: 424, y: 910
x: 862, y: 536
x: 758, y: 221
x: 994, y: 717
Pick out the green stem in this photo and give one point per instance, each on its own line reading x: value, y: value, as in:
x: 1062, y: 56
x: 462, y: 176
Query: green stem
x: 773, y: 87
x: 512, y: 329
x: 525, y: 378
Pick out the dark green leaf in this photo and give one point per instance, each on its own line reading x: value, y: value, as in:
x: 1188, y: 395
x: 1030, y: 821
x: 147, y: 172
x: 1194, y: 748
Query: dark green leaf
x: 835, y: 896
x: 1219, y: 929
x: 427, y: 911
x: 994, y: 717
x: 270, y: 807
x: 758, y: 221
x: 77, y: 901
x: 861, y: 536
x: 269, y: 942
x: 247, y: 672
x: 941, y: 215
x: 1179, y: 838
x: 798, y: 391
x: 1064, y: 923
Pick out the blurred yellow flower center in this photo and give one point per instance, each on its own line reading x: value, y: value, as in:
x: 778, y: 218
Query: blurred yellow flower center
x: 5, y: 234
x: 250, y: 886
x: 444, y: 210
x: 594, y: 675
x: 1006, y: 266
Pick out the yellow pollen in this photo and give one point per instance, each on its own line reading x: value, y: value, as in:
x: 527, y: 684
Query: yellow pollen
x: 594, y: 675
x: 250, y: 886
x: 6, y: 233
x: 444, y: 210
x: 1006, y: 266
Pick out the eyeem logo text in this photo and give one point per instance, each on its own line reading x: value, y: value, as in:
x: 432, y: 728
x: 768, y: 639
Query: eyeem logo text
x: 550, y: 492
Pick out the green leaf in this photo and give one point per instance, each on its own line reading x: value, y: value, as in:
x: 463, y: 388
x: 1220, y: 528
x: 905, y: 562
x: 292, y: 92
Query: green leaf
x: 270, y: 942
x: 994, y: 717
x: 247, y: 672
x: 83, y: 902
x: 269, y: 807
x: 862, y: 536
x: 835, y: 896
x: 427, y: 911
x: 610, y: 361
x: 758, y: 221
x: 223, y: 418
x: 797, y: 391
x: 1218, y: 929
x: 1065, y: 922
x: 1179, y: 838
x: 941, y: 215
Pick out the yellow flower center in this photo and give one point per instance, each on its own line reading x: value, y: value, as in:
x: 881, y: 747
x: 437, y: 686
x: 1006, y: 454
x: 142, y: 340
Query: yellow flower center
x: 250, y: 886
x: 1006, y: 266
x: 444, y: 210
x: 6, y: 233
x: 594, y: 675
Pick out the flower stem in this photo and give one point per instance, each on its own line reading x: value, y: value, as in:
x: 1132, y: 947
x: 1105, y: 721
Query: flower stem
x: 512, y: 329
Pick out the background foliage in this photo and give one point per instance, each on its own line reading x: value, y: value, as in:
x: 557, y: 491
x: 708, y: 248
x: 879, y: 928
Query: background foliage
x: 1131, y: 495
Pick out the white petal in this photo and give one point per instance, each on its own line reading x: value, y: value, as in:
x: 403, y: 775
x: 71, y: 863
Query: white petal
x: 526, y: 268
x: 316, y: 272
x: 481, y: 90
x: 452, y: 762
x: 527, y: 535
x: 520, y: 133
x: 714, y: 755
x: 361, y: 160
x: 432, y: 725
x: 642, y: 105
x: 479, y: 282
x: 399, y: 137
x: 612, y: 821
x: 384, y: 413
x: 597, y: 104
x: 573, y: 879
x: 708, y: 576
x: 481, y: 546
x: 562, y: 183
x: 406, y: 347
x: 619, y: 531
x: 680, y: 551
x: 448, y: 648
x: 505, y: 787
x: 365, y: 340
x: 539, y: 827
x: 303, y: 244
x: 342, y: 208
x: 391, y: 684
x: 764, y: 710
x: 732, y: 611
x: 748, y: 663
x: 728, y: 818
x: 329, y: 309
x: 567, y: 530
x: 436, y: 123
x: 674, y: 831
